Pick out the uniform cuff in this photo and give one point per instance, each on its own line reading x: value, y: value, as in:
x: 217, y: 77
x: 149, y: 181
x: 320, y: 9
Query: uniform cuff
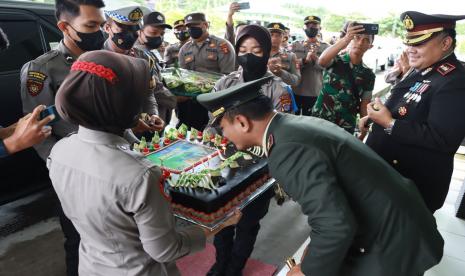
x: 195, y: 237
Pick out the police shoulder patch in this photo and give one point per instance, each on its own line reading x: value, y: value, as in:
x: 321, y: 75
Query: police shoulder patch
x: 35, y: 82
x: 445, y: 68
x: 224, y: 47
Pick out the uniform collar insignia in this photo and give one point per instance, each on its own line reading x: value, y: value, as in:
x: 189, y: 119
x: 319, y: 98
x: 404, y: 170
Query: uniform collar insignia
x: 426, y: 71
x: 269, y: 143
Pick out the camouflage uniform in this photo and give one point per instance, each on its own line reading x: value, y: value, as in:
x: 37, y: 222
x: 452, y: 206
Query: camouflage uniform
x: 338, y: 102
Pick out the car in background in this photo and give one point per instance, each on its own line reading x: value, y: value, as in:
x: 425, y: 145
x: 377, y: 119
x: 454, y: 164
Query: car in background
x: 32, y: 31
x: 376, y: 58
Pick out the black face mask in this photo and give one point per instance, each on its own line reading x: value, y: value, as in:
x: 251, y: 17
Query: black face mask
x: 153, y: 42
x: 125, y: 40
x: 89, y: 41
x: 195, y: 32
x: 182, y: 35
x: 311, y: 32
x: 254, y: 67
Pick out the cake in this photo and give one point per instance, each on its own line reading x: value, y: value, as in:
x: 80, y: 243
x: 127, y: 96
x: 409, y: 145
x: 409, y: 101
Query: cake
x: 204, y: 181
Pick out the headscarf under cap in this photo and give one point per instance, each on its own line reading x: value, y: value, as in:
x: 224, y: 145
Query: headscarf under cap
x: 261, y: 34
x: 104, y: 91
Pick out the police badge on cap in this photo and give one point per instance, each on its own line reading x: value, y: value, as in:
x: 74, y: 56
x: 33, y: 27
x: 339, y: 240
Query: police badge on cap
x: 421, y: 27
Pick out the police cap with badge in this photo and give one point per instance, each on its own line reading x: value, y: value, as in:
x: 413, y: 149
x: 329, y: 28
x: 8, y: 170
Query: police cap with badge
x: 276, y: 27
x: 219, y: 102
x: 422, y: 27
x: 195, y: 18
x: 179, y: 23
x: 312, y: 19
x: 156, y: 19
x: 130, y: 17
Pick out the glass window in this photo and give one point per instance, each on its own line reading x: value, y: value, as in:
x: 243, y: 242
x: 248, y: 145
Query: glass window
x: 25, y: 44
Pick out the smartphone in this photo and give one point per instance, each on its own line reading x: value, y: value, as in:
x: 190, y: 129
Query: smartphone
x: 371, y: 29
x: 47, y: 111
x: 244, y: 6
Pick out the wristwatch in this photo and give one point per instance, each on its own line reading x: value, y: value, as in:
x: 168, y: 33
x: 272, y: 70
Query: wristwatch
x: 388, y: 129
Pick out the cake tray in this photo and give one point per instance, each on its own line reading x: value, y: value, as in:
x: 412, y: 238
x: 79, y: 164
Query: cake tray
x: 246, y: 201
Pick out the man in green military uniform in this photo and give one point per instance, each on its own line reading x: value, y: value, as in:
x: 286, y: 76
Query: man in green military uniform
x: 150, y: 38
x: 307, y: 53
x: 370, y: 223
x: 282, y: 63
x: 172, y: 51
x: 122, y: 26
x: 347, y: 82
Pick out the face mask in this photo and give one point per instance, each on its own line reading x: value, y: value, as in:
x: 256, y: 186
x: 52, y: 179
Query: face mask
x: 125, y: 40
x: 311, y: 32
x: 153, y: 42
x: 254, y: 67
x: 195, y: 32
x: 182, y: 35
x: 89, y: 41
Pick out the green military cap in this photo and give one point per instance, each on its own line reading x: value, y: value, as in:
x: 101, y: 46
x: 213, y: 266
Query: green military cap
x: 195, y: 18
x: 179, y: 23
x: 276, y: 27
x: 156, y: 19
x: 421, y: 27
x: 312, y: 19
x: 131, y: 16
x: 219, y: 102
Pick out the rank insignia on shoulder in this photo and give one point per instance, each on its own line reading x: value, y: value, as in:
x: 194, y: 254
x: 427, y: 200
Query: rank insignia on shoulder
x: 445, y: 68
x: 35, y: 82
x: 224, y: 47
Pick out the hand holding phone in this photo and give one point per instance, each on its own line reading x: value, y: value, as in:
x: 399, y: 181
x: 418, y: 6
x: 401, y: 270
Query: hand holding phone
x: 244, y: 6
x: 49, y: 111
x: 370, y: 29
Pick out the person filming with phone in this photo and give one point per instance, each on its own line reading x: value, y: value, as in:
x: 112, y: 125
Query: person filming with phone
x: 347, y: 82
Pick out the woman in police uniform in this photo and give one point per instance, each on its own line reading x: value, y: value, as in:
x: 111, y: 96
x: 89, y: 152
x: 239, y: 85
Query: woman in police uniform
x: 110, y: 193
x: 422, y: 124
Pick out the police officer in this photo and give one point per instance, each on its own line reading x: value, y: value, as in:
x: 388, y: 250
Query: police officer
x: 127, y: 226
x: 79, y: 21
x: 151, y: 38
x: 204, y: 53
x: 172, y: 51
x: 122, y: 26
x: 311, y: 73
x: 235, y: 244
x: 370, y: 223
x: 282, y: 63
x: 422, y: 123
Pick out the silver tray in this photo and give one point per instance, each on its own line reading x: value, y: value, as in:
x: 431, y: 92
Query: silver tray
x: 246, y: 201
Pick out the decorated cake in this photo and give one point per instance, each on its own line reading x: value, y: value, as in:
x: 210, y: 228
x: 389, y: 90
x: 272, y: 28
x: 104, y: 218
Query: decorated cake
x: 205, y: 177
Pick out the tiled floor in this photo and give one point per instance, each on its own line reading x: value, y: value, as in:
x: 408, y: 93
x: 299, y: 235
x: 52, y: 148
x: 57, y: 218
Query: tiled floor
x: 452, y: 229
